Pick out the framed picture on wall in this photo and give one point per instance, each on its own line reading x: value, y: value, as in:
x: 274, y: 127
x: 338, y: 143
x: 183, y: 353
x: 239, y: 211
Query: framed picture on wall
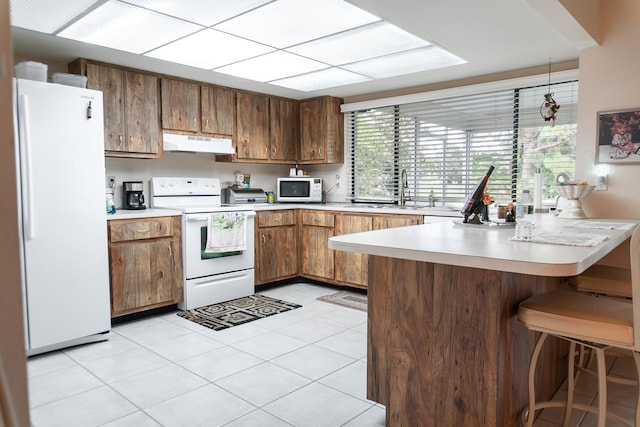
x: 619, y: 137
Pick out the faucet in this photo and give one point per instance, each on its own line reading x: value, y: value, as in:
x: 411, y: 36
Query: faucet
x: 404, y: 184
x: 432, y: 200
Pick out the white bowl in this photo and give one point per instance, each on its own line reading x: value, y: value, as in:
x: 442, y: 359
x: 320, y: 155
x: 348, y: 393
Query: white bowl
x: 574, y: 191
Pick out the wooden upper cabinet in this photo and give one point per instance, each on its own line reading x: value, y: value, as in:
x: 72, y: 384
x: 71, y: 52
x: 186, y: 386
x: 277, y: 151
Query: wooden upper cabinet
x: 131, y: 102
x: 321, y: 131
x: 180, y: 105
x: 252, y: 138
x: 284, y: 130
x: 218, y: 110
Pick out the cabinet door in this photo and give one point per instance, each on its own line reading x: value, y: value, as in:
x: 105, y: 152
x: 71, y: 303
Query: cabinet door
x: 180, y: 105
x: 317, y: 258
x: 284, y: 130
x: 142, y: 112
x: 142, y: 275
x: 218, y: 110
x: 311, y: 131
x: 278, y: 255
x: 111, y: 82
x: 253, y: 126
x: 352, y: 267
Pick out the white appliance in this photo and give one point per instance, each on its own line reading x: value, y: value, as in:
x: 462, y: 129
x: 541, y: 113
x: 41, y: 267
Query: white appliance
x: 300, y: 189
x: 208, y: 278
x: 62, y: 214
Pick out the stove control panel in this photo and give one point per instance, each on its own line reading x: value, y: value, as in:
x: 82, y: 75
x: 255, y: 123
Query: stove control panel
x: 180, y: 186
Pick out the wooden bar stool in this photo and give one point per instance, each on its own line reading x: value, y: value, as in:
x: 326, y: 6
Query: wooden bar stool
x: 604, y: 280
x: 596, y: 322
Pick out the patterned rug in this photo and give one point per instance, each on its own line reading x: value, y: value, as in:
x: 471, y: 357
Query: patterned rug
x: 347, y: 299
x: 237, y: 312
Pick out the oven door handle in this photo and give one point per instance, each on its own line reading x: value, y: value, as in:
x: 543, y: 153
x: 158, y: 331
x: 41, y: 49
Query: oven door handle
x: 196, y: 218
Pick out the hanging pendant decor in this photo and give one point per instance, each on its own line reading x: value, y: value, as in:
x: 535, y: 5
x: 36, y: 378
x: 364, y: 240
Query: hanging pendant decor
x: 549, y: 107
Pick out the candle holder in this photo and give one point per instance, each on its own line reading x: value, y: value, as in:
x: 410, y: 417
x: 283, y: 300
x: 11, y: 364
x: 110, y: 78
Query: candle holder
x: 573, y: 194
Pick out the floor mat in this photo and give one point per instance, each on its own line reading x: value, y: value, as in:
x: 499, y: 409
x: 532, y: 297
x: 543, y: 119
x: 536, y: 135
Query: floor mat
x: 347, y: 299
x: 237, y: 312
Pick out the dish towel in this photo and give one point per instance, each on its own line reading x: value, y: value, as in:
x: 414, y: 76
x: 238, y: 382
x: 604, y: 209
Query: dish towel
x: 226, y: 232
x: 561, y: 238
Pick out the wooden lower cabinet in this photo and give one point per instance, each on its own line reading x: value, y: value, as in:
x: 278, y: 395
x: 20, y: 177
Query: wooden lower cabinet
x: 291, y: 243
x: 145, y: 257
x: 317, y: 259
x: 352, y: 268
x: 276, y: 246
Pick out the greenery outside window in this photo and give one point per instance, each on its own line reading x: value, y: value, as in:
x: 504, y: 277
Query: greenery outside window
x: 445, y: 146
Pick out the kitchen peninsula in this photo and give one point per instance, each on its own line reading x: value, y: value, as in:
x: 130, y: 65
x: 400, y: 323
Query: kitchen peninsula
x: 444, y: 344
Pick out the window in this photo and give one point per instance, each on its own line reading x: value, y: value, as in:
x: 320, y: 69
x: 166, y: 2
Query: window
x: 445, y: 146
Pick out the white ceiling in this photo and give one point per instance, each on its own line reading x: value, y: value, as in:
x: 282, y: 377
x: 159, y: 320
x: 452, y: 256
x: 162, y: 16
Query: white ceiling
x: 491, y: 35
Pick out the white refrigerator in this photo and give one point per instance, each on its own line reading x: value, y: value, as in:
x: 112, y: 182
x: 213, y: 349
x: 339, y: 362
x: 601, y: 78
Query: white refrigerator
x: 62, y: 213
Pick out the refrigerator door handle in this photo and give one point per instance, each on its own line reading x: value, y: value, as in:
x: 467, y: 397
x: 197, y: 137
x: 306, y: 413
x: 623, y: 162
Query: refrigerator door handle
x: 27, y: 183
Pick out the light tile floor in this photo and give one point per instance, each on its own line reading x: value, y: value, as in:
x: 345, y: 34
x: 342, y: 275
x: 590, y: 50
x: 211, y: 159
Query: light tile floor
x: 303, y: 368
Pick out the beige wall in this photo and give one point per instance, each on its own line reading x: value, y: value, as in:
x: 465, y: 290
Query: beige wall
x: 12, y: 346
x: 609, y: 82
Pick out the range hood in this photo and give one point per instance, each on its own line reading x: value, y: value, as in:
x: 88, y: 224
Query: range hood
x: 196, y: 144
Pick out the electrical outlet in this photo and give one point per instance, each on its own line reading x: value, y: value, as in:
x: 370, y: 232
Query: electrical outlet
x: 111, y: 181
x: 601, y: 183
x: 338, y: 181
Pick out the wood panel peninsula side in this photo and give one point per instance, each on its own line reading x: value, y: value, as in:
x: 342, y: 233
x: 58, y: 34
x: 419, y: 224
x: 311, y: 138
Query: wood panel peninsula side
x: 444, y: 344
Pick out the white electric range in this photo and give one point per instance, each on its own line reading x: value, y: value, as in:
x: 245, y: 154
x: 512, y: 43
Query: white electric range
x: 208, y: 278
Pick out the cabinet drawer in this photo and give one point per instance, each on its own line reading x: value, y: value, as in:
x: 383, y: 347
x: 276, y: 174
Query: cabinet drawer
x: 319, y: 219
x: 122, y: 230
x: 276, y: 218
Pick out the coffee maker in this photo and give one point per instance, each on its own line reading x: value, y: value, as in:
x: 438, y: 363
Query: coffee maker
x: 132, y: 195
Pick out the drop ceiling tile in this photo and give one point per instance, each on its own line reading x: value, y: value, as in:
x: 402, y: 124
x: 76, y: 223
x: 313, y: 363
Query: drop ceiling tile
x: 209, y: 49
x: 370, y: 41
x: 272, y: 66
x: 285, y: 23
x: 203, y: 12
x: 412, y: 61
x: 322, y: 79
x: 46, y: 16
x: 129, y: 28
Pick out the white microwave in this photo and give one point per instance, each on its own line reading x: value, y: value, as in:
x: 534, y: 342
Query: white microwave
x: 299, y: 189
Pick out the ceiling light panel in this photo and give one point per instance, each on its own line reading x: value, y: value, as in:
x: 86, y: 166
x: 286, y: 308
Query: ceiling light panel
x: 413, y: 61
x: 272, y: 66
x: 209, y: 49
x: 285, y: 23
x: 129, y: 28
x: 322, y: 79
x: 46, y: 16
x: 377, y: 39
x: 203, y: 12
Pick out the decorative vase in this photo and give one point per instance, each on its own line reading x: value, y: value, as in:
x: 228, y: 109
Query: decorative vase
x: 573, y: 194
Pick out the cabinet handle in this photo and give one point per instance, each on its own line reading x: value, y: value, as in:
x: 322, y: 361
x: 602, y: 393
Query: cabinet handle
x: 274, y: 150
x: 195, y: 122
x: 120, y: 139
x: 170, y: 252
x: 206, y: 126
x: 266, y: 150
x: 264, y: 239
x: 131, y: 140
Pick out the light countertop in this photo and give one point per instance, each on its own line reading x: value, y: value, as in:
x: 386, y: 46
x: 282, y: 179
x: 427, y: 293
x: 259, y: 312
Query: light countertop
x: 488, y: 247
x: 142, y: 213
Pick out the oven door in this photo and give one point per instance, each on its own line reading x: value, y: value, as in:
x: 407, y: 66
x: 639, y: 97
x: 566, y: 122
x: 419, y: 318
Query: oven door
x: 197, y: 263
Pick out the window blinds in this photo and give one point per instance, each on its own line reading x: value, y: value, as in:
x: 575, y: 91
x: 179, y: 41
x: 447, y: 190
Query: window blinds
x: 447, y: 145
